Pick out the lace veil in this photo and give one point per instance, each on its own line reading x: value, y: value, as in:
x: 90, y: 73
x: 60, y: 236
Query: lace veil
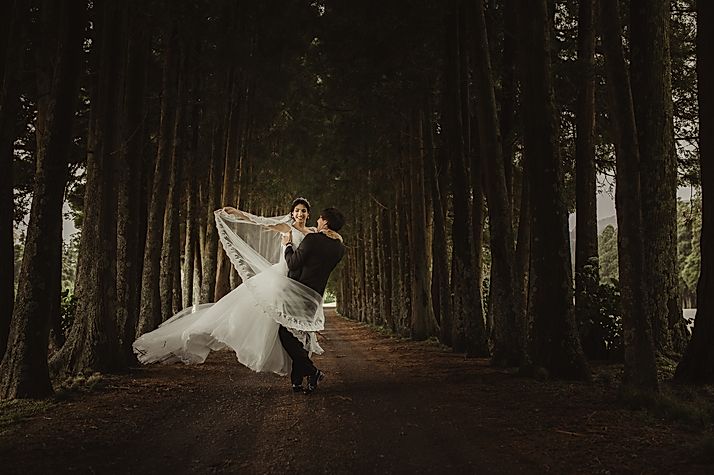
x: 253, y: 246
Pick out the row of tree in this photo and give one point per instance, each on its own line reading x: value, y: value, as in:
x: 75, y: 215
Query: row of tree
x: 444, y: 132
x: 154, y: 114
x: 480, y: 121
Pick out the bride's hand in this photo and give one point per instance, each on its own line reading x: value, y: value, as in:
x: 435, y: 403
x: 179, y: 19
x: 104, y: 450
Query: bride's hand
x: 230, y: 210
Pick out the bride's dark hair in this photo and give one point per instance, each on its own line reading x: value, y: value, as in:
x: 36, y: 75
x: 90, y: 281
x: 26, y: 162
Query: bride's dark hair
x: 299, y: 201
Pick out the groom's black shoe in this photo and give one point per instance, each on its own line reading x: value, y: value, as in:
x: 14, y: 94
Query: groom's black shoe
x: 313, y: 380
x: 298, y: 388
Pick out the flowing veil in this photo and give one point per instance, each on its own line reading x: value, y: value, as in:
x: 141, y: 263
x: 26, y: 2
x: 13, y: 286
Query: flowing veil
x: 247, y: 318
x: 253, y: 246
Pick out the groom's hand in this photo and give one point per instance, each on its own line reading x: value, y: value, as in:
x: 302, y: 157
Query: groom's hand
x: 286, y: 237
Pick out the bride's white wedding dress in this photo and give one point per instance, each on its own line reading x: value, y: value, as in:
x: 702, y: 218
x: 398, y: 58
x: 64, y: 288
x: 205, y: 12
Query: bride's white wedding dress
x: 247, y: 319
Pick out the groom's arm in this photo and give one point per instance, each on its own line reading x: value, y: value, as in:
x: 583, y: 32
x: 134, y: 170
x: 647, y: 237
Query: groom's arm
x: 295, y: 258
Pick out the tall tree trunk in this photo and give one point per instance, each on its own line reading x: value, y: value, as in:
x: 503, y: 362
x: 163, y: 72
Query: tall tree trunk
x: 697, y: 365
x: 465, y: 303
x: 555, y: 344
x: 150, y: 311
x: 24, y: 371
x: 508, y: 94
x: 587, y: 273
x: 385, y: 288
x: 129, y: 179
x: 522, y: 260
x: 210, y: 254
x: 403, y: 324
x: 12, y: 50
x: 93, y: 343
x: 640, y: 366
x: 650, y: 68
x: 508, y: 346
x: 423, y: 324
x: 170, y: 280
x: 232, y: 164
x: 441, y: 298
x: 192, y: 195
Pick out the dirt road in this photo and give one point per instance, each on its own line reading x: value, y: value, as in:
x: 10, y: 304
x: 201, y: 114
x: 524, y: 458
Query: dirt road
x: 387, y: 406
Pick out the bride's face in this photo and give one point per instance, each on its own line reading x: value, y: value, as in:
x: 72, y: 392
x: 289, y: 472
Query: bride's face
x: 300, y: 214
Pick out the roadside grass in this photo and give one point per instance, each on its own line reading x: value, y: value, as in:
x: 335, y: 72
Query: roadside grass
x: 17, y: 410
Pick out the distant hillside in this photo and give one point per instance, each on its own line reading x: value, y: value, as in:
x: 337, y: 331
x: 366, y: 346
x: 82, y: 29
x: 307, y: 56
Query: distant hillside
x: 601, y: 224
x: 605, y: 222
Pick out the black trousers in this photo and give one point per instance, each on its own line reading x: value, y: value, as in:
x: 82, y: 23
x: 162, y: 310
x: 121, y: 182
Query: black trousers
x: 302, y: 364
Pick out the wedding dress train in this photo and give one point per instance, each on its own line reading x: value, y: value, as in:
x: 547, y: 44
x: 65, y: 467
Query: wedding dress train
x: 246, y: 319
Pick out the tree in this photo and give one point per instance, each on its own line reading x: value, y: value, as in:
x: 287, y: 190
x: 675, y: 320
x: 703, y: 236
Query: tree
x: 508, y: 341
x: 93, y: 342
x: 132, y: 130
x: 697, y: 365
x: 150, y: 310
x: 11, y: 64
x: 468, y: 331
x: 587, y: 272
x: 423, y: 322
x: 24, y: 371
x: 554, y: 341
x: 650, y: 70
x: 640, y: 367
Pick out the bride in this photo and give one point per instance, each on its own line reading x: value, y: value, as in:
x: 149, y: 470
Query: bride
x: 248, y: 318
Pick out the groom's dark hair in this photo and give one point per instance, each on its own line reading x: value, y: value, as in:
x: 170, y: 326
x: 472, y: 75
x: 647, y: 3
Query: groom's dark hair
x: 335, y: 219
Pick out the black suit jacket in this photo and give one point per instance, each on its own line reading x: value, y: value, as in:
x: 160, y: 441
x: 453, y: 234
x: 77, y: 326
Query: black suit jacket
x: 313, y: 261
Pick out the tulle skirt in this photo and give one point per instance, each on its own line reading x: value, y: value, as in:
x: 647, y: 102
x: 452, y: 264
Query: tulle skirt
x: 237, y: 321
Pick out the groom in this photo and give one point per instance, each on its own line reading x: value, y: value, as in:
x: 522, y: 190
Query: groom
x: 311, y: 264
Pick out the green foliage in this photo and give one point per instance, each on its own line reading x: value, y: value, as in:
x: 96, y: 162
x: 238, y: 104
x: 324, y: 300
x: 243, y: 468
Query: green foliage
x: 607, y: 250
x: 16, y: 410
x: 19, y: 251
x: 684, y: 90
x: 70, y: 251
x: 79, y: 384
x: 689, y: 224
x: 602, y: 336
x: 687, y: 405
x: 68, y: 307
x: 329, y: 296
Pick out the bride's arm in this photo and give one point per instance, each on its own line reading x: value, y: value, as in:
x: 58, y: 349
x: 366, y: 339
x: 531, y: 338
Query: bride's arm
x: 281, y: 228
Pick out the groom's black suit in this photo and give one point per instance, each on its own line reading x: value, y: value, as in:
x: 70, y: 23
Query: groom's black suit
x: 310, y: 264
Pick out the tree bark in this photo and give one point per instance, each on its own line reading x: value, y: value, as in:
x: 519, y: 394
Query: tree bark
x: 192, y: 195
x: 587, y: 273
x: 508, y: 346
x: 464, y: 287
x: 24, y: 371
x: 170, y: 269
x: 521, y: 273
x: 93, y: 342
x: 697, y: 365
x: 230, y: 171
x: 441, y: 298
x: 210, y: 254
x: 150, y: 310
x: 11, y: 61
x: 650, y: 69
x: 508, y: 94
x: 423, y: 323
x: 640, y: 366
x: 555, y: 345
x: 129, y: 179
